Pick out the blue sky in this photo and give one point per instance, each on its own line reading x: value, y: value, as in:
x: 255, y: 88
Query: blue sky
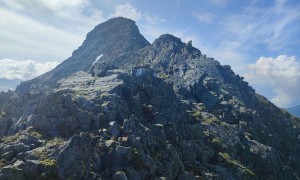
x: 258, y: 38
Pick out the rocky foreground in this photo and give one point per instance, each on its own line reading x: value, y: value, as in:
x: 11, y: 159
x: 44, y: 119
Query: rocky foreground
x: 122, y: 108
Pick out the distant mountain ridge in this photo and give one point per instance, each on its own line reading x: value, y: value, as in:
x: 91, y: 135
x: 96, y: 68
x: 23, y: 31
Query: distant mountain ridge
x: 294, y: 110
x: 122, y: 108
x: 8, y: 84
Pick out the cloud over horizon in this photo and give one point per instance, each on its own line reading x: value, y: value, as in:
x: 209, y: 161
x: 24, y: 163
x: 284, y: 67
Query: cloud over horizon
x: 126, y: 10
x: 24, y: 69
x: 281, y: 74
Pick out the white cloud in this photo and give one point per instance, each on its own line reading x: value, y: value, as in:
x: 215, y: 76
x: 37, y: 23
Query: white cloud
x: 46, y: 6
x: 282, y: 74
x: 219, y: 2
x: 126, y: 10
x: 153, y: 19
x: 204, y: 17
x: 32, y: 39
x: 24, y: 69
x: 44, y: 30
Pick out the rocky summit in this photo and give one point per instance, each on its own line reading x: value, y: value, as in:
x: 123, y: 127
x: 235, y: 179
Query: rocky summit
x: 122, y: 108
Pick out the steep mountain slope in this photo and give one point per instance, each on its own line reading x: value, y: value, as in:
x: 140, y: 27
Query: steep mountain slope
x: 122, y: 108
x: 294, y: 110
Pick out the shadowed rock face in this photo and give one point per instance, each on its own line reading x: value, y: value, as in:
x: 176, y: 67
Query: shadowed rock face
x: 122, y: 108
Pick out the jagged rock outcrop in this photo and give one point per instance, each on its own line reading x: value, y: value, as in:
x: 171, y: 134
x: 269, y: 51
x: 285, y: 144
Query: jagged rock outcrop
x: 122, y: 108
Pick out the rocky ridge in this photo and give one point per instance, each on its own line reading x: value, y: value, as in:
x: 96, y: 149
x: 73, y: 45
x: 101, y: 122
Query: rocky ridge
x: 122, y: 108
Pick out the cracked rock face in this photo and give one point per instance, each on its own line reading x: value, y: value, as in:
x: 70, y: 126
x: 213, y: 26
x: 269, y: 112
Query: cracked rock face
x: 122, y: 108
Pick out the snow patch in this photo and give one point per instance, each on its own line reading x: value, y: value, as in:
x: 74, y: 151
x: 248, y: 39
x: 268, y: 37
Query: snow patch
x: 98, y: 58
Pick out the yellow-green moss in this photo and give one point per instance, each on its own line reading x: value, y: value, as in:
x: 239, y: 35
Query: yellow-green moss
x: 223, y: 123
x: 36, y: 134
x: 55, y: 142
x: 196, y: 114
x: 249, y: 172
x: 209, y: 120
x: 7, y: 139
x: 216, y: 142
x: 232, y: 162
x: 49, y: 162
x: 40, y: 152
x: 163, y: 75
x: 103, y: 95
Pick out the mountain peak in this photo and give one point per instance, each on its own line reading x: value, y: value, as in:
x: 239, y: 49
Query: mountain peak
x: 168, y: 37
x: 108, y: 40
x: 117, y: 21
x: 118, y: 32
x: 126, y: 109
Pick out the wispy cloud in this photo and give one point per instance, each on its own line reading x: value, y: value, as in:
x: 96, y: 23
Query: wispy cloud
x: 153, y: 19
x: 126, y: 10
x: 61, y: 14
x: 204, y: 17
x: 49, y: 31
x: 44, y: 30
x: 272, y: 26
x: 24, y: 69
x: 282, y: 74
x: 33, y: 39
